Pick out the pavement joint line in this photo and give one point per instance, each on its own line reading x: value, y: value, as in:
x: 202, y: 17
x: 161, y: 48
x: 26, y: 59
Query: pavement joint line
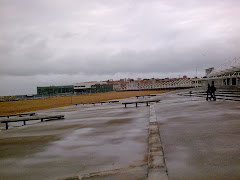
x: 156, y: 162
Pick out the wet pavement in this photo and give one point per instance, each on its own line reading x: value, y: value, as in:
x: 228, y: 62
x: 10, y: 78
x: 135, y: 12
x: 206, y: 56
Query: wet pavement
x: 200, y: 141
x: 91, y: 139
x: 201, y: 138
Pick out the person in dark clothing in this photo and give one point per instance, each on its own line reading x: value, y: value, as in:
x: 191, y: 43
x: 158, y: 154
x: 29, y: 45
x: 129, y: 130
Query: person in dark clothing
x: 213, y: 89
x: 208, y: 92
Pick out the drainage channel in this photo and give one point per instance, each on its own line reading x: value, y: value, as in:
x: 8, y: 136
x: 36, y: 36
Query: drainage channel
x: 156, y: 163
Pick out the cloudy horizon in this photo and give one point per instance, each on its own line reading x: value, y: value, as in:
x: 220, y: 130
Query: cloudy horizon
x: 61, y: 42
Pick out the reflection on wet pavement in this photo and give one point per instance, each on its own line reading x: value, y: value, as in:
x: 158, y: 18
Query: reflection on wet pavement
x: 89, y: 139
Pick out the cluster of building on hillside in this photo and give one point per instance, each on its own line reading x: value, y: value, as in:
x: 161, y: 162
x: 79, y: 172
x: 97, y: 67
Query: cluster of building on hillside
x: 227, y: 74
x: 118, y: 85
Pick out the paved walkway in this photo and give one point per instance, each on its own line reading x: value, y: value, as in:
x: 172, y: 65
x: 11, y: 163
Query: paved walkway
x: 201, y: 139
x: 107, y: 141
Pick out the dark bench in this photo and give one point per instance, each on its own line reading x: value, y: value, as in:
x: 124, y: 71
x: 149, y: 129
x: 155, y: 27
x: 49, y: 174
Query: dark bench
x: 151, y: 95
x: 20, y: 115
x: 139, y: 96
x: 46, y: 118
x: 113, y: 101
x: 93, y: 103
x: 102, y: 102
x: 140, y: 102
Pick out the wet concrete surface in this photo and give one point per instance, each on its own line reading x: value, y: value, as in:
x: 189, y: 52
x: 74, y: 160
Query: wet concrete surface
x: 91, y: 139
x: 201, y: 139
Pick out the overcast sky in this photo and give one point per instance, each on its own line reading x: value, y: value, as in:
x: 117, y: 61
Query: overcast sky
x: 61, y: 42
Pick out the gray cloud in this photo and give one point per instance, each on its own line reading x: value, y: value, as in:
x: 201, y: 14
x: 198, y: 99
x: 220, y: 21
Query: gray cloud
x: 83, y: 40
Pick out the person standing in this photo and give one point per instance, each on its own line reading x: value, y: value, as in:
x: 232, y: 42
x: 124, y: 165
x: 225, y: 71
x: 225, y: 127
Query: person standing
x: 208, y: 92
x: 213, y: 89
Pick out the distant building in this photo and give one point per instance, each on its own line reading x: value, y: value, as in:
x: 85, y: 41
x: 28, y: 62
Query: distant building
x: 83, y: 87
x: 227, y: 74
x: 156, y: 83
x: 92, y: 87
x: 51, y: 90
x: 116, y: 84
x: 122, y: 81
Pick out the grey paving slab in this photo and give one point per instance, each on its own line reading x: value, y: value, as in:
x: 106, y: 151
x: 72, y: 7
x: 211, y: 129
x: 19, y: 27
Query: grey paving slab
x: 200, y: 138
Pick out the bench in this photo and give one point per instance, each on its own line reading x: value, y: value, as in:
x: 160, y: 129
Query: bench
x: 113, y: 101
x: 151, y: 95
x: 24, y: 119
x: 102, y: 102
x: 20, y: 115
x: 93, y: 103
x: 139, y: 96
x: 140, y: 102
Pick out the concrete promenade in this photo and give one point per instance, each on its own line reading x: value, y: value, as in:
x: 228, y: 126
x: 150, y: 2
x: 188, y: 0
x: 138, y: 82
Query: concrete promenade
x: 197, y: 140
x: 103, y: 141
x: 201, y: 139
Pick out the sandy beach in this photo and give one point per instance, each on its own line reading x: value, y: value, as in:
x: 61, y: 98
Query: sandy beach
x: 13, y: 107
